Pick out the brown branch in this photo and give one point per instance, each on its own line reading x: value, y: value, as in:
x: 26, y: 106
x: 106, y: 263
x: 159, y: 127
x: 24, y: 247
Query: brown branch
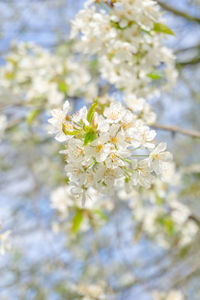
x: 178, y: 12
x: 176, y: 129
x: 186, y: 49
x: 194, y: 219
x: 192, y: 61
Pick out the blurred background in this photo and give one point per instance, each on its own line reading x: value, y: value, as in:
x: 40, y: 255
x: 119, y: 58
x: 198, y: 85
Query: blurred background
x: 45, y: 262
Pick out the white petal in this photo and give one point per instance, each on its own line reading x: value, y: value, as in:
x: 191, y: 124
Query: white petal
x: 161, y: 147
x: 66, y: 106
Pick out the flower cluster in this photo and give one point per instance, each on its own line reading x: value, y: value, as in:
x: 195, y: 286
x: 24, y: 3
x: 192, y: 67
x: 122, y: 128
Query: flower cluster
x: 3, y: 125
x: 92, y: 291
x: 140, y: 107
x: 171, y: 295
x: 168, y: 224
x: 39, y: 77
x: 107, y: 148
x: 160, y: 215
x: 127, y: 40
x: 68, y: 205
x: 89, y: 291
x: 4, y: 241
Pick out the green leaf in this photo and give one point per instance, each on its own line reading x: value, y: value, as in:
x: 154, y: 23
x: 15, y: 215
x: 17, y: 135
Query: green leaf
x: 100, y: 214
x: 127, y: 179
x: 91, y: 111
x: 159, y: 200
x: 162, y: 28
x: 32, y: 115
x: 115, y: 25
x: 94, y: 64
x: 62, y: 87
x: 9, y: 75
x: 184, y: 251
x: 12, y: 61
x: 90, y: 136
x: 77, y: 220
x: 67, y: 180
x: 168, y: 224
x: 154, y: 75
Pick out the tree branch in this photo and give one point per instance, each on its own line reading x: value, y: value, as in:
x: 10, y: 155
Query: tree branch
x: 186, y: 49
x: 176, y: 129
x: 178, y: 12
x: 193, y: 61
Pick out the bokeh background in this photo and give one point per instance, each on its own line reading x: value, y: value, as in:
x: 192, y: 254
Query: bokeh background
x: 42, y: 263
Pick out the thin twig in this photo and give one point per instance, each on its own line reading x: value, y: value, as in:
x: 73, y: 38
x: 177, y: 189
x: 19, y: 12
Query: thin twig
x: 179, y: 12
x: 176, y: 129
x: 193, y: 61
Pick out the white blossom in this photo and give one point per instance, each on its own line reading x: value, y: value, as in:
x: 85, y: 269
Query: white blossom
x: 3, y: 125
x: 38, y: 77
x: 58, y: 120
x: 5, y: 244
x: 158, y: 156
x: 98, y: 159
x: 161, y: 214
x: 128, y: 47
x: 171, y: 295
x: 92, y: 291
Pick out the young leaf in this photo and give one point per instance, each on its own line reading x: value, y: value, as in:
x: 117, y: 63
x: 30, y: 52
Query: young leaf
x: 94, y: 64
x: 32, y: 115
x: 67, y: 180
x: 77, y: 220
x: 89, y: 137
x: 162, y: 28
x: 159, y: 200
x: 167, y: 223
x: 62, y: 87
x: 100, y: 214
x: 115, y: 25
x: 154, y: 75
x: 9, y: 75
x: 91, y: 111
